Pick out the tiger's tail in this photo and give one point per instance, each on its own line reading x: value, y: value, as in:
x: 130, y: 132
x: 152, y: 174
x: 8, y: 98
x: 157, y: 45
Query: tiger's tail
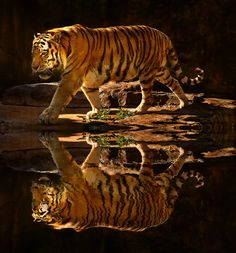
x: 176, y: 68
x: 184, y: 176
x: 180, y: 180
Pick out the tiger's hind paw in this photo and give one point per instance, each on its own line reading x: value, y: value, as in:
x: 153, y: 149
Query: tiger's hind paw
x: 183, y: 103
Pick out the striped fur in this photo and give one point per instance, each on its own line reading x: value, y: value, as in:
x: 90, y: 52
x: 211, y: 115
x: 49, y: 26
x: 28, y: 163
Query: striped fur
x: 89, y: 58
x: 86, y: 196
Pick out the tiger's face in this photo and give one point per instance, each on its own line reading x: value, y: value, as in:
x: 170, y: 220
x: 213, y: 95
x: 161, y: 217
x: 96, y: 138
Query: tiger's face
x: 44, y: 193
x: 45, y: 55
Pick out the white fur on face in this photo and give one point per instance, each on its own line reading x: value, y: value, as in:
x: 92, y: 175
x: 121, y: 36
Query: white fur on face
x: 44, y: 46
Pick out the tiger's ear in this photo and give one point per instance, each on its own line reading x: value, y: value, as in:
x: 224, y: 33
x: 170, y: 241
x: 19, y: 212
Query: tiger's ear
x: 36, y: 35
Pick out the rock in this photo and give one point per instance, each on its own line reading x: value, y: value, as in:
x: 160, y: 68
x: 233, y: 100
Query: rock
x: 111, y: 95
x: 38, y: 94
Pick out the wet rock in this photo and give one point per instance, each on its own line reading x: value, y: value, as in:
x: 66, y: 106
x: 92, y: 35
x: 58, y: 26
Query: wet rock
x: 38, y: 94
x: 111, y: 95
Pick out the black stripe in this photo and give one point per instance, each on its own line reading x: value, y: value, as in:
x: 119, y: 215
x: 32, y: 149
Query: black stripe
x: 107, y: 39
x: 102, y: 57
x: 96, y: 37
x: 131, y: 205
x: 147, y: 36
x: 99, y: 187
x: 116, y: 42
x: 90, y: 32
x: 121, y: 54
x: 145, y: 208
x: 111, y: 192
x: 87, y: 38
x: 142, y: 211
x: 107, y: 210
x: 126, y: 186
x: 167, y: 77
x: 132, y: 33
x: 126, y: 69
x: 130, y: 47
x: 122, y: 202
x: 115, y: 218
x: 150, y: 207
x: 126, y: 197
x: 99, y: 39
x: 160, y: 74
x: 84, y: 219
x: 111, y: 61
x: 134, y: 218
x: 142, y: 49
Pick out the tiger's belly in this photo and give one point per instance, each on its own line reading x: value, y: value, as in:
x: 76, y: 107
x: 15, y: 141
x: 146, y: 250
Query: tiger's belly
x: 94, y: 79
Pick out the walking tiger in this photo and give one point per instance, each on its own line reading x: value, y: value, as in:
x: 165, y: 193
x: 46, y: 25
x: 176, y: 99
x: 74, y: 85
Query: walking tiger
x: 88, y: 58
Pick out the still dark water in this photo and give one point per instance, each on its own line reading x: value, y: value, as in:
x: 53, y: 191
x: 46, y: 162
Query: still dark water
x: 120, y: 191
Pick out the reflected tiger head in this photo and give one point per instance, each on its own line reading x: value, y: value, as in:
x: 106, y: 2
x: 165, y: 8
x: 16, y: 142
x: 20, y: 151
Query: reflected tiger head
x: 47, y: 55
x: 46, y: 196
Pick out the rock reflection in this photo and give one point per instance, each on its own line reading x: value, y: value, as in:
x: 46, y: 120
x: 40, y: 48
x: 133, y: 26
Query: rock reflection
x: 102, y: 192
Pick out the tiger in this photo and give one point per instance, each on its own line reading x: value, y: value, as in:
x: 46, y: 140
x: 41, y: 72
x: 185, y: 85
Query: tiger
x: 87, y: 58
x: 85, y: 196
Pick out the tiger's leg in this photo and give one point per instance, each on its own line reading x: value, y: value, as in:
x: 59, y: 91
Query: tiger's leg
x: 147, y: 159
x: 147, y: 98
x: 61, y: 98
x: 173, y: 84
x: 92, y: 94
x: 93, y: 158
x: 61, y: 157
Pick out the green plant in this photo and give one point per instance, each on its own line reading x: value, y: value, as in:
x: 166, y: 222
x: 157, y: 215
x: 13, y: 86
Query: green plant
x: 123, y: 113
x: 123, y: 141
x: 103, y: 114
x: 102, y: 141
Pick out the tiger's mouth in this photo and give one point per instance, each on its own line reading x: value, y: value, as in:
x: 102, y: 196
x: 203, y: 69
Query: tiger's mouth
x: 42, y: 182
x: 44, y: 74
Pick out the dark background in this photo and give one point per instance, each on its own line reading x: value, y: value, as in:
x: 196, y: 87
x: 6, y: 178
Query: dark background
x: 202, y: 32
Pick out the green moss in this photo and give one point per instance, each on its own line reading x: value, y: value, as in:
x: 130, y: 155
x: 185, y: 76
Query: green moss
x: 103, y: 114
x: 102, y: 141
x: 123, y: 113
x: 123, y: 141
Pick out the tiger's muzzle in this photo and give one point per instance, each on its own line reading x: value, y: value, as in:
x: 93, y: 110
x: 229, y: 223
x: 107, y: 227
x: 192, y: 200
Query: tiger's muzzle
x: 43, y: 74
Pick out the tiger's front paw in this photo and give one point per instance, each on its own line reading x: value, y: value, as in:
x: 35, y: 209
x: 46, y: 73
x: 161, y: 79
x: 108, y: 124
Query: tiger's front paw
x: 48, y: 138
x: 48, y: 117
x: 140, y: 109
x: 90, y: 115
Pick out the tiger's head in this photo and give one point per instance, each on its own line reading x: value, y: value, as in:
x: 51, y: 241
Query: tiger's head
x: 46, y: 200
x: 47, y: 54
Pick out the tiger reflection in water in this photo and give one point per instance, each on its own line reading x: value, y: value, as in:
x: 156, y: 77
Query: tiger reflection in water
x: 86, y: 196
